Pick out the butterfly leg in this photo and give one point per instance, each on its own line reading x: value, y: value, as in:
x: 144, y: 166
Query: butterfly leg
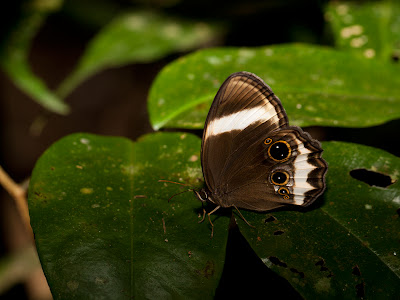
x: 204, y: 216
x: 242, y: 216
x: 209, y: 219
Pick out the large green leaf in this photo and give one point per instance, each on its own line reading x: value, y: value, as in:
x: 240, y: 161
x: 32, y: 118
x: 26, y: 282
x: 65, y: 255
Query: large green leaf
x: 370, y: 29
x: 139, y: 36
x: 104, y: 228
x: 317, y: 85
x: 347, y: 247
x: 14, y: 55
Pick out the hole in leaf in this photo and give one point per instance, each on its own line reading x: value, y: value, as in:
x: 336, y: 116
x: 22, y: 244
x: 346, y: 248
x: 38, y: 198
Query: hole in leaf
x: 371, y: 178
x: 360, y: 290
x: 356, y: 271
x: 321, y: 262
x: 277, y: 261
x: 395, y: 57
x: 278, y: 232
x: 270, y: 219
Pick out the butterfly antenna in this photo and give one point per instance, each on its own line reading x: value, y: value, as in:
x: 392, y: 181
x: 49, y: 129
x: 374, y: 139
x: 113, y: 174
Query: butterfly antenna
x: 190, y: 190
x: 169, y: 181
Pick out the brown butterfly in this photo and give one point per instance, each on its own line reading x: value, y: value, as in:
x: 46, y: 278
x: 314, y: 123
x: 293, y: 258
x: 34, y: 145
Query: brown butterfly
x: 251, y: 157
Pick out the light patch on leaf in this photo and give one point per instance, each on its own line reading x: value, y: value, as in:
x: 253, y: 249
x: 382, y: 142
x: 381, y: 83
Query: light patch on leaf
x: 194, y: 172
x: 73, y: 285
x: 266, y: 262
x: 268, y: 52
x: 350, y: 31
x: 128, y: 169
x: 172, y: 30
x: 135, y: 22
x: 244, y: 55
x: 86, y: 190
x: 193, y: 158
x: 396, y: 200
x: 214, y: 60
x: 342, y: 9
x: 358, y: 42
x: 323, y: 285
x: 369, y: 53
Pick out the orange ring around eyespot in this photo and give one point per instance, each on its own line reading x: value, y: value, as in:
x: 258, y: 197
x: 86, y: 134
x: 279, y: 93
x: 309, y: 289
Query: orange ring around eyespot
x: 267, y: 141
x: 287, y: 157
x: 286, y: 181
x: 286, y: 197
x: 287, y: 191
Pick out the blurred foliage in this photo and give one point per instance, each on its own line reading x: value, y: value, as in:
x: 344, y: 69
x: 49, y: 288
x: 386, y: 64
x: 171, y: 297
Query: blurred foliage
x: 139, y: 36
x: 14, y: 52
x: 317, y: 85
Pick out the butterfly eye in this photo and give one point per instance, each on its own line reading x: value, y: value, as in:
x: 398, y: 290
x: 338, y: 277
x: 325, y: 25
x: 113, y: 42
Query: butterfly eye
x: 279, y: 151
x: 280, y: 177
x: 284, y: 192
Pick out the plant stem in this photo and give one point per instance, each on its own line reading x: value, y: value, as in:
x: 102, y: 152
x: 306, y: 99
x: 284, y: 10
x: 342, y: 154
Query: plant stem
x: 19, y: 196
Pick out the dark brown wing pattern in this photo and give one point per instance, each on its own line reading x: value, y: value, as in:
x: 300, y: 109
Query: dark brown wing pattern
x: 245, y: 136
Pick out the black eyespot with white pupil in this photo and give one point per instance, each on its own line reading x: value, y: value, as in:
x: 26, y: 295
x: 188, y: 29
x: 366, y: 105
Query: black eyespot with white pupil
x: 279, y: 151
x: 279, y: 177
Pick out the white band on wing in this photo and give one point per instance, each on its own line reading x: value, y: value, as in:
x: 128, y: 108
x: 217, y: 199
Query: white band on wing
x: 242, y: 119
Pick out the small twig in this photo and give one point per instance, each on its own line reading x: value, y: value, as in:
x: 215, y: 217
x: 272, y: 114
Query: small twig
x: 19, y: 196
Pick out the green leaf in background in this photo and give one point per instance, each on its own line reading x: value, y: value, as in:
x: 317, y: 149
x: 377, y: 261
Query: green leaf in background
x: 370, y: 29
x: 14, y: 55
x: 317, y: 85
x: 103, y: 225
x: 140, y: 36
x: 347, y: 248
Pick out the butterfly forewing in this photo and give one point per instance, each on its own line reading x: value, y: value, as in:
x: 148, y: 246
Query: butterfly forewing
x: 243, y: 108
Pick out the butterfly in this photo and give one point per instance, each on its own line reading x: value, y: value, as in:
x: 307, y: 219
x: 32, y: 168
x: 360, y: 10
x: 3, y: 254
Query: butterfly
x: 251, y: 158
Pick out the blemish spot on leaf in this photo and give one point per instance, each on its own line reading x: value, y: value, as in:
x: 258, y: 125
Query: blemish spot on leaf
x: 372, y: 178
x: 72, y: 285
x: 193, y: 158
x: 208, y: 270
x: 279, y: 232
x: 109, y: 188
x: 95, y: 205
x: 99, y: 280
x: 297, y: 272
x: 86, y: 190
x: 277, y: 261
